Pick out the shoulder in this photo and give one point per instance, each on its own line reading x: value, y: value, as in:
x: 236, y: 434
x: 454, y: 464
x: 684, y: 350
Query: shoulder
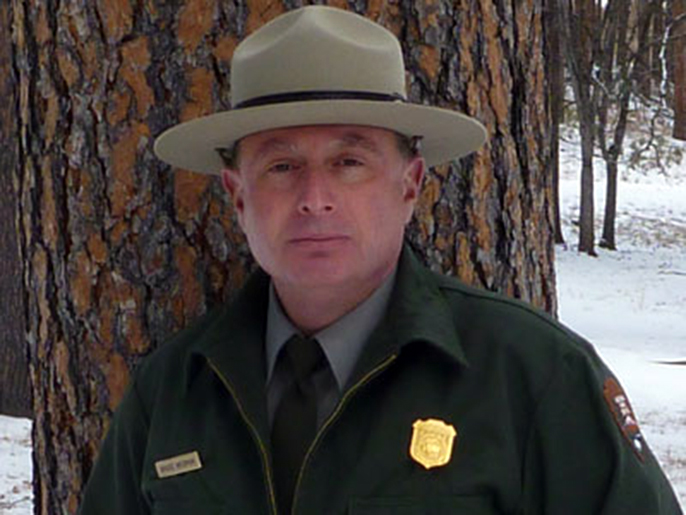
x: 183, y: 342
x: 494, y: 327
x: 184, y: 350
x: 491, y: 308
x: 170, y: 362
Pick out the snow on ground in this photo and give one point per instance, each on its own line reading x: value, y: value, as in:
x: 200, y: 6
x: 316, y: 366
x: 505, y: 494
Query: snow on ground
x: 16, y: 497
x: 631, y: 303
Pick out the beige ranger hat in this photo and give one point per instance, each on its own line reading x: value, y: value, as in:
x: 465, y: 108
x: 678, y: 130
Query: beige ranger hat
x: 315, y: 66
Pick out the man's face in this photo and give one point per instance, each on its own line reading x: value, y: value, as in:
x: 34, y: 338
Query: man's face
x: 324, y: 206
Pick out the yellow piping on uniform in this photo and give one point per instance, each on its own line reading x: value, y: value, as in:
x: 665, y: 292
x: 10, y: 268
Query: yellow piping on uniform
x: 255, y: 434
x: 333, y: 416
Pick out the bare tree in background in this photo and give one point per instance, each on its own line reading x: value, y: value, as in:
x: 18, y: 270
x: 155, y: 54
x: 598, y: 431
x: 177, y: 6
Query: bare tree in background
x: 579, y: 21
x: 624, y: 38
x: 14, y: 377
x: 119, y: 251
x: 648, y: 60
x: 611, y: 98
x: 556, y: 92
x: 613, y: 52
x: 678, y: 66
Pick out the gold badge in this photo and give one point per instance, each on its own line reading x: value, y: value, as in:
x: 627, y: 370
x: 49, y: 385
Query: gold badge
x: 432, y: 442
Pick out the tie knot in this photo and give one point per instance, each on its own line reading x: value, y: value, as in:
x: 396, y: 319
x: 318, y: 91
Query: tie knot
x: 305, y: 356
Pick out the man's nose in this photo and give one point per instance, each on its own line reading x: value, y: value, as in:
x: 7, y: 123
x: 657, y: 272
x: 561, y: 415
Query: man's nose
x: 316, y: 195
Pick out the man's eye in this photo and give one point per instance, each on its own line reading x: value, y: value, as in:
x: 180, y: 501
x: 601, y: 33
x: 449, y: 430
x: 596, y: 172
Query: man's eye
x: 349, y: 162
x: 280, y: 167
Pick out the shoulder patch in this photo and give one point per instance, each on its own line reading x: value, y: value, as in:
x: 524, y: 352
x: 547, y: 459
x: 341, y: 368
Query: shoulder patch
x: 623, y: 414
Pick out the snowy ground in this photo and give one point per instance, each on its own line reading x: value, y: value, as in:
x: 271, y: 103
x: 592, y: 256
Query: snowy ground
x: 16, y: 497
x: 630, y: 303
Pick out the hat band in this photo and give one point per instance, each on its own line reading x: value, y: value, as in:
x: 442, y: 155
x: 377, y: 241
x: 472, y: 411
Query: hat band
x: 302, y: 96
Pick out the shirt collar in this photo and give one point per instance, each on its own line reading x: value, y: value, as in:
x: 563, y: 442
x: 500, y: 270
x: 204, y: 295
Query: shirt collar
x: 418, y: 313
x: 341, y: 341
x: 232, y: 339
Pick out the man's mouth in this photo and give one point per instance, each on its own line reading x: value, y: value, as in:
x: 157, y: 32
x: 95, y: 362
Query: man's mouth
x: 315, y: 239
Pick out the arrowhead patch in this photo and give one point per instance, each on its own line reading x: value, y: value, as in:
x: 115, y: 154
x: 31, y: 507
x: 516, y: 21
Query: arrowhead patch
x: 624, y: 416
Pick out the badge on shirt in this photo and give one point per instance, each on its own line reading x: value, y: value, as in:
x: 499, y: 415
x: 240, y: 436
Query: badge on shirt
x: 178, y: 465
x: 621, y: 410
x: 432, y: 442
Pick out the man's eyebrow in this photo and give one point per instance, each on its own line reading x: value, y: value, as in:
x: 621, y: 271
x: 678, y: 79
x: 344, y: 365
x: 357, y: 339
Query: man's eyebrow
x: 273, y: 144
x: 354, y: 139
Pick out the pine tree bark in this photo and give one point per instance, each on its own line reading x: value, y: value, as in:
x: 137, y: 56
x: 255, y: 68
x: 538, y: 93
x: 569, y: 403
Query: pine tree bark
x: 14, y: 377
x: 120, y: 251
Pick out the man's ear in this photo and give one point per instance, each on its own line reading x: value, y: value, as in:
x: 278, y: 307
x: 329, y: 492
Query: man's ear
x: 413, y: 175
x: 412, y: 178
x: 233, y: 184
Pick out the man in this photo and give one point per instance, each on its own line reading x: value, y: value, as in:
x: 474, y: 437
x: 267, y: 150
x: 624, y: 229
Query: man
x: 346, y: 378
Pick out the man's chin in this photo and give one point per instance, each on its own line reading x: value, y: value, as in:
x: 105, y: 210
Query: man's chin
x: 317, y: 276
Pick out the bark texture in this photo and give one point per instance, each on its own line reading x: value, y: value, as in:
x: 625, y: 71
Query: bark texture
x: 120, y: 252
x: 14, y: 384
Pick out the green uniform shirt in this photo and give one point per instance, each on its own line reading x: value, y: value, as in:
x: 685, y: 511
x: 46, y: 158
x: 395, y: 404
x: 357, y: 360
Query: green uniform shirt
x: 541, y: 425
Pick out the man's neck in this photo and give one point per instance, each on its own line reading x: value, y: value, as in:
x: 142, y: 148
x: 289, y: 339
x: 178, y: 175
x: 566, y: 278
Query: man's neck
x: 312, y: 309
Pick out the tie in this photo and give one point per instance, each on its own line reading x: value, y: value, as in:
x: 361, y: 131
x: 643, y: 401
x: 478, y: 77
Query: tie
x: 295, y: 420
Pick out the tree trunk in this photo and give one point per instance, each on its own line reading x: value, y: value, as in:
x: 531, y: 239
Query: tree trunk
x: 558, y: 235
x: 644, y: 48
x: 579, y: 21
x: 620, y: 76
x: 607, y: 241
x: 657, y: 46
x: 586, y: 207
x: 678, y: 54
x: 612, y: 97
x: 120, y: 251
x: 556, y: 92
x: 14, y: 377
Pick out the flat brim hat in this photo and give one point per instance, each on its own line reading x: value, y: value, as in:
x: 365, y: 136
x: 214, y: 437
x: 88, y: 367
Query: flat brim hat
x: 318, y: 66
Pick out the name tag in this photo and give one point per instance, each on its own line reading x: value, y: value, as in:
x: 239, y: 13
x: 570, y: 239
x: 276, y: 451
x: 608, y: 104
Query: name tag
x: 178, y: 465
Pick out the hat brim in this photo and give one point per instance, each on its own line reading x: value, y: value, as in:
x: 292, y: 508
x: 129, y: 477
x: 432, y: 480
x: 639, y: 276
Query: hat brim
x: 445, y: 134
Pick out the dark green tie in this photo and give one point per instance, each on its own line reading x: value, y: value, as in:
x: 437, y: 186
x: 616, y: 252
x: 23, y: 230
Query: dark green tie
x: 295, y: 420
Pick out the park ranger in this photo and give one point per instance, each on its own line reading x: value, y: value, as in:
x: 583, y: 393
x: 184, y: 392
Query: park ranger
x: 345, y: 377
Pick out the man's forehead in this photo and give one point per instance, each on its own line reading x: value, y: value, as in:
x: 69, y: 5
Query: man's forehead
x: 288, y: 138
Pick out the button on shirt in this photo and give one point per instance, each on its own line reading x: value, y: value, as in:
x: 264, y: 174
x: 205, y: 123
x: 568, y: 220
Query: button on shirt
x: 342, y: 343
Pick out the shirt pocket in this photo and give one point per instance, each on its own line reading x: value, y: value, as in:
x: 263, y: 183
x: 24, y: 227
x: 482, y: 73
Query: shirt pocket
x: 183, y: 490
x: 439, y: 505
